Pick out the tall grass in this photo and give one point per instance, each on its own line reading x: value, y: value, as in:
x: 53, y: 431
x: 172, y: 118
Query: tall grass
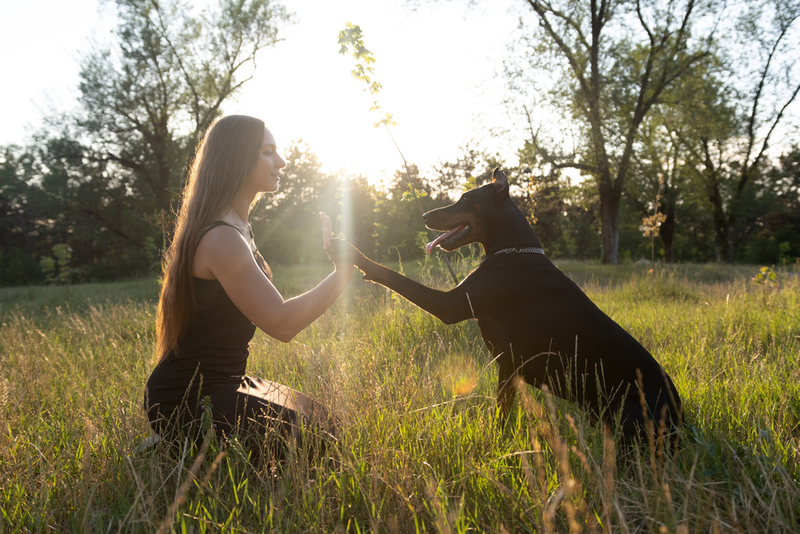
x: 420, y: 449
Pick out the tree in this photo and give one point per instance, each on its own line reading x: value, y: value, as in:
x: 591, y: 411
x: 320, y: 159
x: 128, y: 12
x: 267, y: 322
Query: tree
x: 612, y: 61
x: 782, y: 221
x: 286, y: 224
x: 18, y: 251
x: 769, y: 31
x: 728, y: 119
x: 563, y: 213
x: 112, y: 170
x: 399, y: 229
x: 656, y: 181
x: 146, y: 100
x: 50, y: 195
x: 702, y: 121
x: 473, y: 167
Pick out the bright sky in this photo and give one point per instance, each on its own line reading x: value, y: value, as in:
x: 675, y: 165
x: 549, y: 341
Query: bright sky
x: 439, y: 66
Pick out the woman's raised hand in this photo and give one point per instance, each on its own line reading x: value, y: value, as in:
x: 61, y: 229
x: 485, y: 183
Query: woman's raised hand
x: 326, y: 231
x: 339, y: 251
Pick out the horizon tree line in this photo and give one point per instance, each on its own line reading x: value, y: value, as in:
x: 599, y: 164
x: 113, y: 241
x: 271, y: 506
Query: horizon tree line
x: 665, y: 113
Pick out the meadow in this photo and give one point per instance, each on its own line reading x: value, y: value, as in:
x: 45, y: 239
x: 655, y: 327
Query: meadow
x: 419, y: 448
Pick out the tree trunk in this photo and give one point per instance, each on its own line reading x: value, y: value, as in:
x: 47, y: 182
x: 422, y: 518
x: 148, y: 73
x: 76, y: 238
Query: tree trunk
x: 609, y: 222
x: 730, y: 237
x: 712, y: 182
x: 720, y: 234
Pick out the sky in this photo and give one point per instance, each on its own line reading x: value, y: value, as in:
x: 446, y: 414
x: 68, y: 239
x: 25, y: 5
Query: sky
x: 440, y: 66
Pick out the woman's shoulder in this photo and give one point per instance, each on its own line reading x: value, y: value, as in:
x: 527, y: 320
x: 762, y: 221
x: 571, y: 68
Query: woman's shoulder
x: 223, y: 234
x: 220, y: 246
x: 216, y: 224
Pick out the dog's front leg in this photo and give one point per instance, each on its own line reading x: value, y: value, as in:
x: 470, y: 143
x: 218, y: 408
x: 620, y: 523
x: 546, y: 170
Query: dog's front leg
x: 449, y: 306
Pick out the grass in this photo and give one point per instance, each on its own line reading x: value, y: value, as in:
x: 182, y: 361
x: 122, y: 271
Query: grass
x: 419, y: 450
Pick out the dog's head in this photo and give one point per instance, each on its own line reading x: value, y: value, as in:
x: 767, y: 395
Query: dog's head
x: 466, y: 220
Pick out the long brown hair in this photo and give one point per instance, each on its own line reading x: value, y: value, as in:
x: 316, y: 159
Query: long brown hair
x: 223, y: 160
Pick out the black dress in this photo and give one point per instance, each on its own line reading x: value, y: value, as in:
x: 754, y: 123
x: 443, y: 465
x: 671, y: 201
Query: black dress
x: 211, y: 364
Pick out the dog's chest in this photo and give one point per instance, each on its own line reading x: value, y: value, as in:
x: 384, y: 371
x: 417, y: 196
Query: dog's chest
x: 521, y: 307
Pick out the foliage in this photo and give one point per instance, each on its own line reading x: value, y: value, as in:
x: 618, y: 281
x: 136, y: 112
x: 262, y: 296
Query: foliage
x: 56, y: 195
x: 650, y: 225
x: 603, y: 66
x: 766, y: 276
x: 399, y: 230
x: 708, y: 118
x: 286, y: 224
x: 39, y: 212
x: 351, y: 37
x: 471, y: 168
x: 562, y: 211
x: 105, y: 179
x: 419, y: 449
x: 147, y: 99
x: 727, y: 119
x: 18, y: 253
x: 57, y: 271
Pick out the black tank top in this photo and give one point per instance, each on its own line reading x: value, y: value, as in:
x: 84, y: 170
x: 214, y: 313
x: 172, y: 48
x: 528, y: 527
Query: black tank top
x: 260, y: 261
x: 215, y: 344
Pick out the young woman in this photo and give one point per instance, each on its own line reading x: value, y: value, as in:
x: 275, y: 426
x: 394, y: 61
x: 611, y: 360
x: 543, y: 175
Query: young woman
x: 217, y: 290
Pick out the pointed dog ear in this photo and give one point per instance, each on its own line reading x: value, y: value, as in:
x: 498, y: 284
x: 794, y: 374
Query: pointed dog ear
x: 499, y: 182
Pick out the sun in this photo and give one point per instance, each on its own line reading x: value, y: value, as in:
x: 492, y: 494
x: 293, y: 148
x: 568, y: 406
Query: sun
x: 356, y: 150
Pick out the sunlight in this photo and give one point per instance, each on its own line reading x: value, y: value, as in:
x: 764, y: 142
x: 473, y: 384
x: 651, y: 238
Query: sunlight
x: 352, y: 150
x: 345, y: 226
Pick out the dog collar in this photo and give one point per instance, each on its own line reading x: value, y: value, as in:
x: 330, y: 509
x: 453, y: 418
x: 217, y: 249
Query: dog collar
x: 527, y: 250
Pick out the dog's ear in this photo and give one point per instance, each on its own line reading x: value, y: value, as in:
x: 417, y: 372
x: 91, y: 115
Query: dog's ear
x: 499, y: 182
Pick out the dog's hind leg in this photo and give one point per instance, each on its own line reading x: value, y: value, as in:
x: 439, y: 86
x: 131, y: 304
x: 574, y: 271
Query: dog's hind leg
x: 649, y: 417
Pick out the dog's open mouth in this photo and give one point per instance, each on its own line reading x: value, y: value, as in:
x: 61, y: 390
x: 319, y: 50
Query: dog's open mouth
x: 456, y: 232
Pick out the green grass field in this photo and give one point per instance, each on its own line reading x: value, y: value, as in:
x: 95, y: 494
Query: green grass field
x: 419, y: 449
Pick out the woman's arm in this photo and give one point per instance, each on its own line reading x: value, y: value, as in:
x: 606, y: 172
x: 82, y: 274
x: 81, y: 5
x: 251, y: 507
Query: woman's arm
x: 225, y: 255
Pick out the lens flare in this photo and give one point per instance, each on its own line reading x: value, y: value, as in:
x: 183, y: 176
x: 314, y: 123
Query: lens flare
x: 459, y: 374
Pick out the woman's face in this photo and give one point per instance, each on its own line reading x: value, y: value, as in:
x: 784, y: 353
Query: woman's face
x: 264, y: 177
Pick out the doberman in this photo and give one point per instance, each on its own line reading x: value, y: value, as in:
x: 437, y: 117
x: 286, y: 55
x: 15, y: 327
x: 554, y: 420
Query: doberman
x: 537, y: 323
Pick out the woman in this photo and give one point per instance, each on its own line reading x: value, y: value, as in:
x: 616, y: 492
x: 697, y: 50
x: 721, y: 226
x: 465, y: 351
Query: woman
x: 217, y: 290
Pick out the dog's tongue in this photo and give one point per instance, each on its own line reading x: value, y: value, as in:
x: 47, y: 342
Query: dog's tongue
x: 430, y: 246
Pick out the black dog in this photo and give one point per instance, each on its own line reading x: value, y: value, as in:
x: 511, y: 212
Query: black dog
x: 536, y: 321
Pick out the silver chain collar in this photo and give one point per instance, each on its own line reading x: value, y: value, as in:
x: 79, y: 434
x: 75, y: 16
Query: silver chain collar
x: 528, y: 250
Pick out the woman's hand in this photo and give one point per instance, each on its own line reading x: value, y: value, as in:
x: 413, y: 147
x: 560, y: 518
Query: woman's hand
x: 326, y: 231
x: 339, y: 251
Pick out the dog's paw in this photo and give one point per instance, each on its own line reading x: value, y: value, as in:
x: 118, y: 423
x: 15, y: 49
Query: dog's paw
x: 340, y: 251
